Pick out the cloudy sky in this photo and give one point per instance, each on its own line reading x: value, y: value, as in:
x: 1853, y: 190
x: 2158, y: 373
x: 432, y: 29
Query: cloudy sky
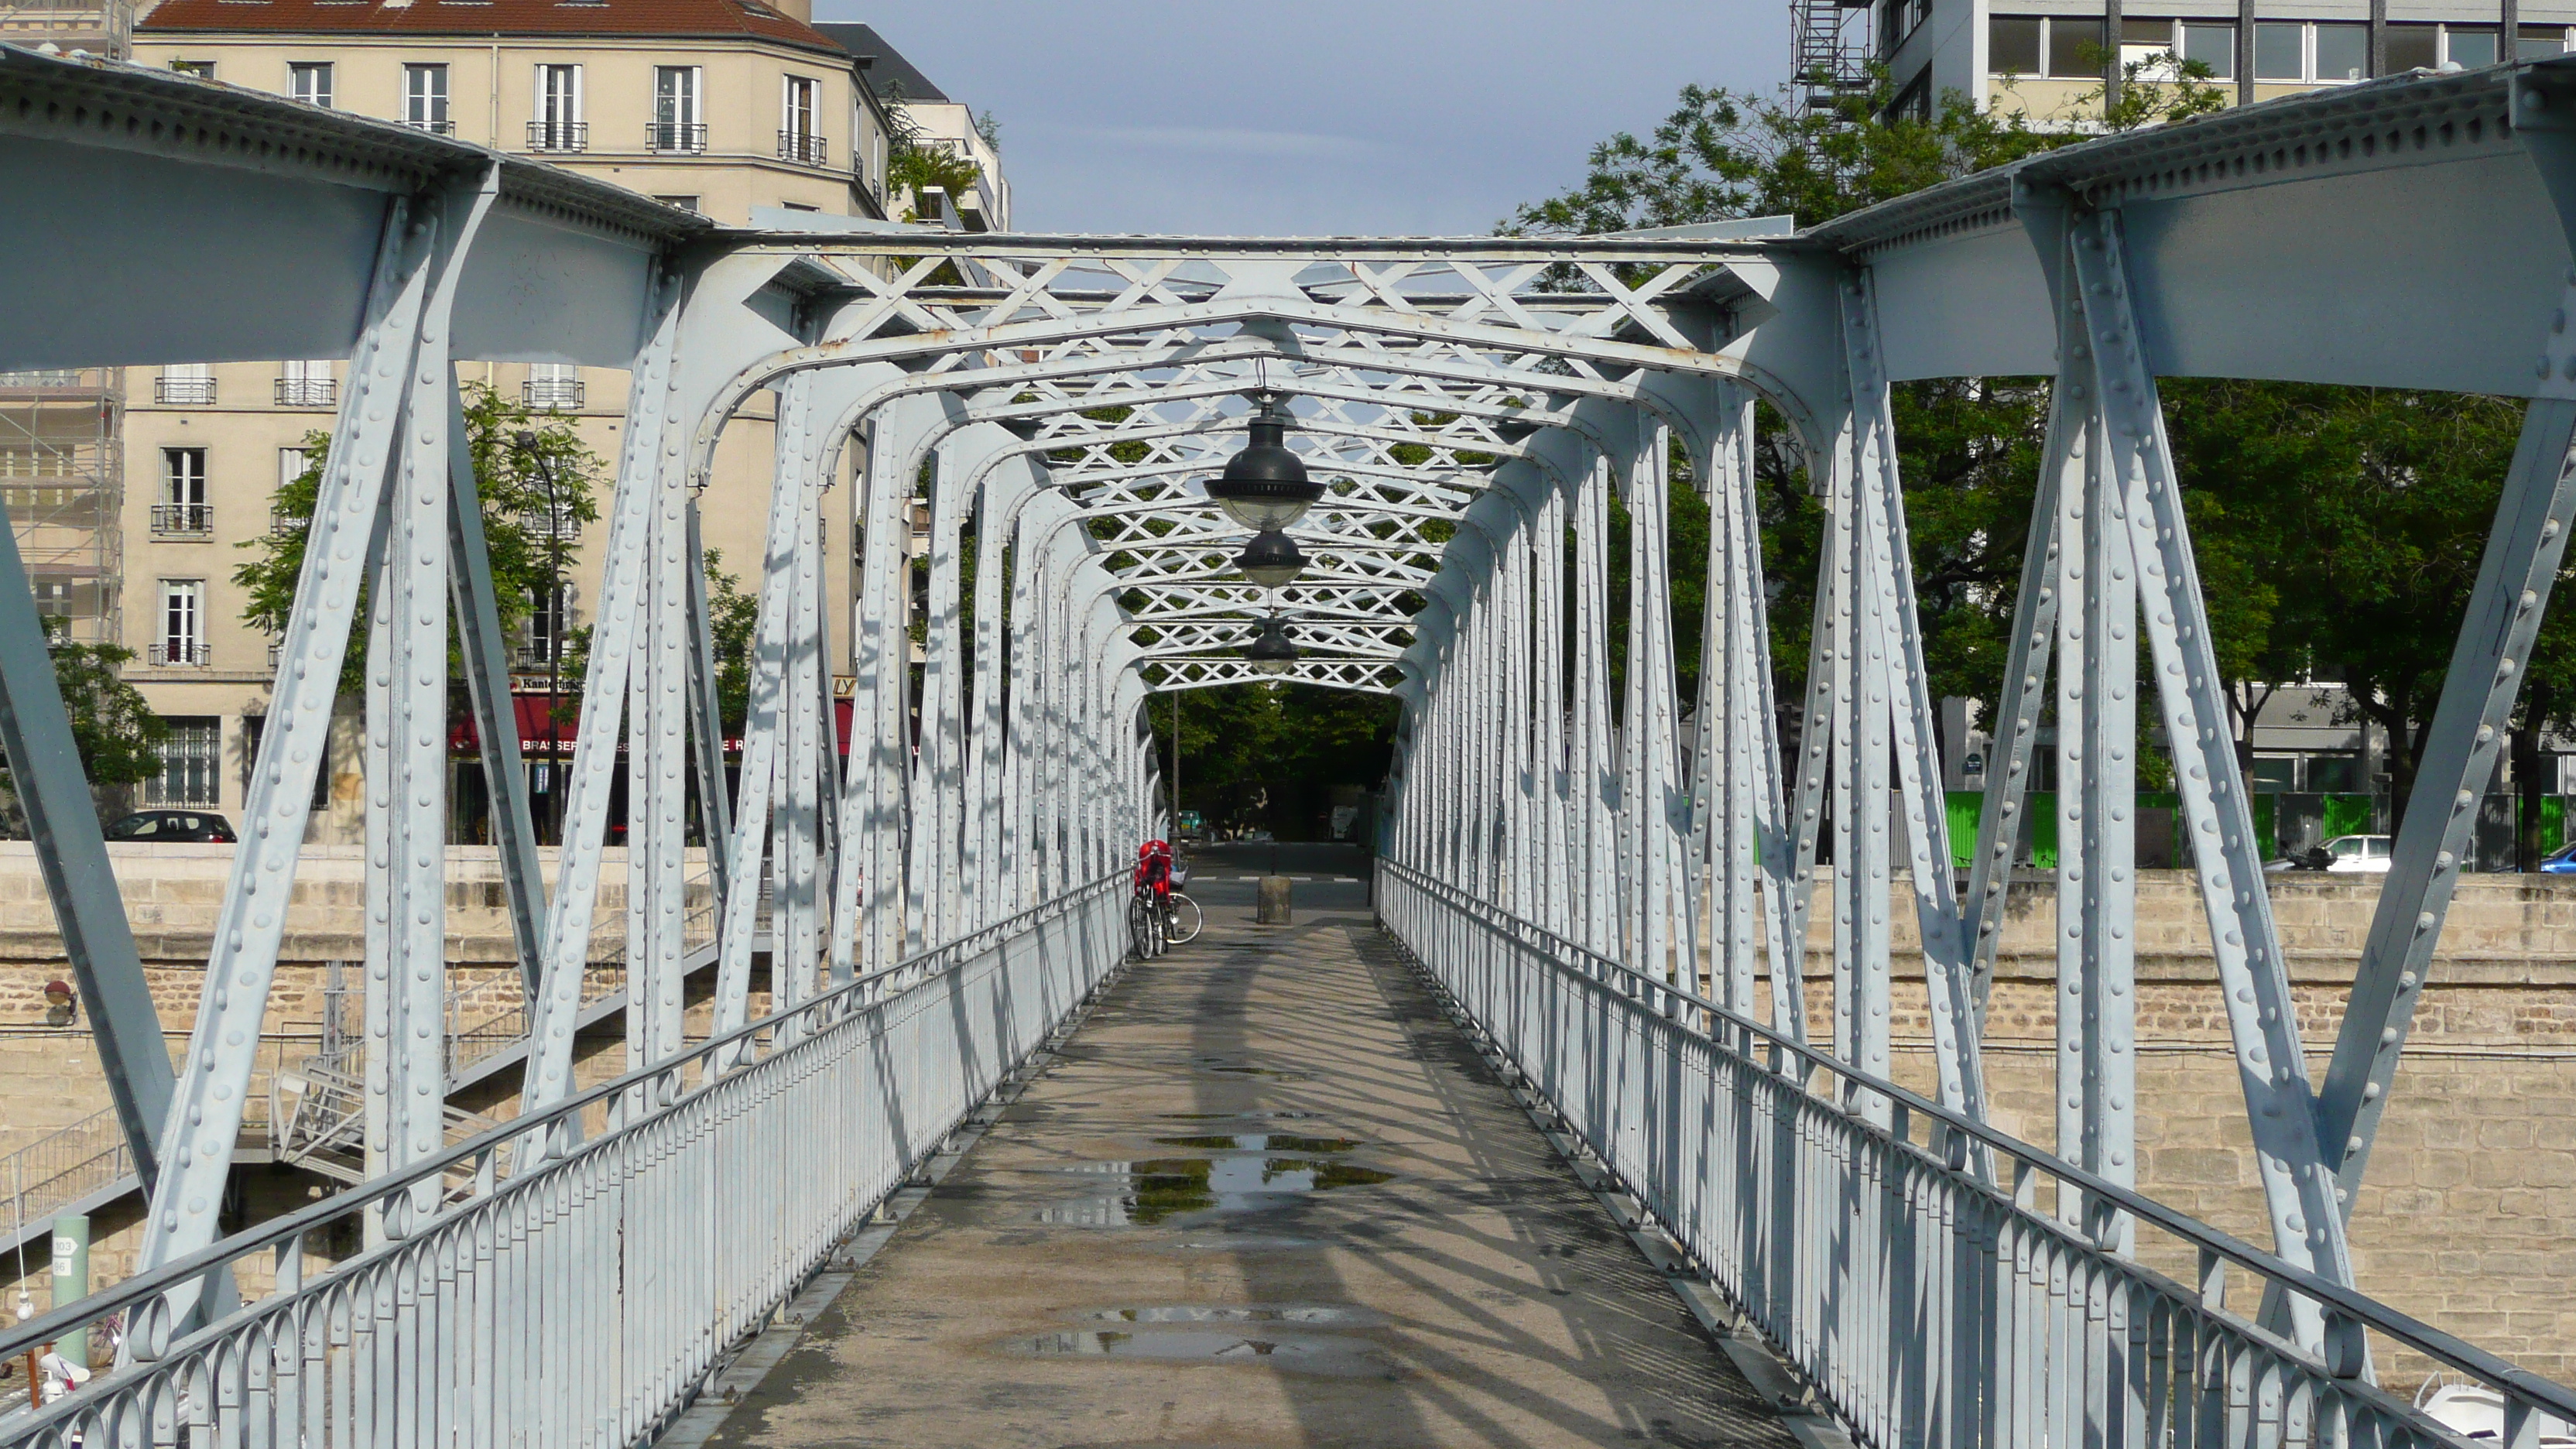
x: 1310, y: 117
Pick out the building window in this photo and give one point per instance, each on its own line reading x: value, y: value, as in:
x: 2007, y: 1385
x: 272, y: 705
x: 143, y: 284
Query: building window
x: 425, y: 98
x: 183, y: 511
x: 306, y: 385
x: 201, y: 69
x: 1897, y: 20
x: 2342, y: 52
x: 291, y: 463
x: 2148, y: 45
x: 2540, y: 42
x: 552, y: 385
x: 183, y: 623
x: 190, y: 759
x: 2280, y: 50
x: 2012, y: 44
x: 685, y: 203
x: 2468, y: 46
x: 558, y: 126
x: 186, y: 384
x: 545, y: 628
x: 255, y: 730
x: 309, y: 81
x: 2074, y: 48
x: 797, y: 140
x: 679, y: 109
x: 2212, y: 44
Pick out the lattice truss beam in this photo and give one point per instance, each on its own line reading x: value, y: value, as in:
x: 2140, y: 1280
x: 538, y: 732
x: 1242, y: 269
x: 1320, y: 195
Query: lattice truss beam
x: 1475, y: 406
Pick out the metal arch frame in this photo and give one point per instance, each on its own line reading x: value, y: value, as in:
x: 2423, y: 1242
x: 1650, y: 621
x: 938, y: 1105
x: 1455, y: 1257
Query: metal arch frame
x: 2117, y: 216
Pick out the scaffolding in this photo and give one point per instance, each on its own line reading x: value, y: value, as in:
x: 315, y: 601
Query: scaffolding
x: 1832, y: 55
x: 62, y: 480
x: 101, y: 27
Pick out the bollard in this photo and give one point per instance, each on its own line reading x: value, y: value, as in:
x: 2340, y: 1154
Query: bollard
x: 71, y: 1280
x: 1270, y: 906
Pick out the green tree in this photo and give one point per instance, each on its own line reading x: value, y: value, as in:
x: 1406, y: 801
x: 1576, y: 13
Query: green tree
x: 510, y: 484
x: 1268, y: 754
x: 114, y: 730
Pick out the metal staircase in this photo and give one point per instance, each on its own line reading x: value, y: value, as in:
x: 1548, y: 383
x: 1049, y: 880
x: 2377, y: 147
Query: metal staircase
x: 1832, y: 56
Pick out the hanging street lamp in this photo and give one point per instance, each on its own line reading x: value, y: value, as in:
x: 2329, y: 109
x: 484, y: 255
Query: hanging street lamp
x: 1273, y: 651
x: 1265, y: 486
x: 1271, y: 559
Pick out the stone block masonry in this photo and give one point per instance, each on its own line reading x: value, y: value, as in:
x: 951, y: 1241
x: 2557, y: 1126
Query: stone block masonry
x: 2467, y: 1219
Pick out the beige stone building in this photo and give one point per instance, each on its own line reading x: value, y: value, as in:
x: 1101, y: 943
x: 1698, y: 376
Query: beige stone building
x: 728, y: 107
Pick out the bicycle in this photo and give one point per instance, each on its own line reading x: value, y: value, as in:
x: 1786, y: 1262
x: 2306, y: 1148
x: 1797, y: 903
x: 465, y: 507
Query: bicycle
x: 1179, y: 909
x: 1147, y: 928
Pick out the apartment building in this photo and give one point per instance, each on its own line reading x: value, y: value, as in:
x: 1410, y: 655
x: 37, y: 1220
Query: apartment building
x: 2047, y: 59
x: 728, y: 107
x: 934, y: 120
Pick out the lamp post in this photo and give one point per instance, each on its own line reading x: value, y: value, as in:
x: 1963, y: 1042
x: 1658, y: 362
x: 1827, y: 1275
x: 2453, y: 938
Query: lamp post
x: 1272, y: 651
x: 527, y: 446
x: 1271, y: 559
x: 1265, y: 486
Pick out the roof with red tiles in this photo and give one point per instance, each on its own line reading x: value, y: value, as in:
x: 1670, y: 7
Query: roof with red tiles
x: 727, y: 19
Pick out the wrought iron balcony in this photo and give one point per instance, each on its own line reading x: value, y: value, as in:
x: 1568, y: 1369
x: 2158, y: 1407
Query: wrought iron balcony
x: 803, y: 146
x: 184, y: 391
x: 183, y: 520
x: 558, y: 135
x: 435, y: 128
x: 178, y: 652
x: 672, y: 136
x: 552, y: 392
x: 308, y: 392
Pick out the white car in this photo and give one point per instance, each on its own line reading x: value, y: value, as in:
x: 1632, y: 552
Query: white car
x: 2358, y: 854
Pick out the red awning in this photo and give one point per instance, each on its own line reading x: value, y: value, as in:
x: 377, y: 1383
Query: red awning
x: 533, y: 713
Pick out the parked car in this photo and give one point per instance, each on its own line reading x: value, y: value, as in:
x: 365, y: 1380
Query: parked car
x: 173, y: 825
x: 2561, y: 861
x: 2357, y: 854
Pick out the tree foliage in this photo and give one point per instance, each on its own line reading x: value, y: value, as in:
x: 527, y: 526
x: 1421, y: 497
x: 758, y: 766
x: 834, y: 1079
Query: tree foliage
x: 115, y: 730
x: 510, y: 484
x: 1268, y: 754
x: 2337, y: 531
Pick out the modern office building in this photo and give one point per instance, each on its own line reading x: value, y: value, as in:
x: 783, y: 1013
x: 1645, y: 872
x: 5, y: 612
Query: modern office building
x: 2050, y: 59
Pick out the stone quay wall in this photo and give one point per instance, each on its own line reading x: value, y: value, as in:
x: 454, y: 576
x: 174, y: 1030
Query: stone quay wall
x: 2467, y: 1218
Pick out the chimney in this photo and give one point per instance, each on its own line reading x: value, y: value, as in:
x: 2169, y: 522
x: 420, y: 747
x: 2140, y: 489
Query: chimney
x: 801, y: 10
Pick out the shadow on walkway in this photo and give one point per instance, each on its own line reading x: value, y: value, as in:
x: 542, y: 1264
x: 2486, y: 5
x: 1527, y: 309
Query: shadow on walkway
x: 1267, y: 1197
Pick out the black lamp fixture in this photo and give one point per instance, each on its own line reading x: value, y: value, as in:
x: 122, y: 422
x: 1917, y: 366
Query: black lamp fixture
x: 1271, y: 559
x: 1273, y: 651
x: 1265, y: 486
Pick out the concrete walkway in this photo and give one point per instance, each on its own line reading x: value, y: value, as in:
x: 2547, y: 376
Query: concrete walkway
x: 1267, y: 1196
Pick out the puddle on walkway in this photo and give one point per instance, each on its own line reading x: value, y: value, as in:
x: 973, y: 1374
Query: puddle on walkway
x: 1292, y: 1352
x: 1262, y: 1142
x: 1281, y: 1116
x: 1311, y: 1315
x: 1167, y: 1187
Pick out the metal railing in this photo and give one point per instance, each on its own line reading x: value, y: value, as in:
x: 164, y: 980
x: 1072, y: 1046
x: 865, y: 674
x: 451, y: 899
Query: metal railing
x: 1926, y: 1302
x: 60, y: 1168
x: 184, y: 391
x: 183, y: 520
x: 558, y: 135
x: 586, y: 1296
x: 178, y: 651
x: 307, y: 392
x: 674, y: 136
x: 803, y: 146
